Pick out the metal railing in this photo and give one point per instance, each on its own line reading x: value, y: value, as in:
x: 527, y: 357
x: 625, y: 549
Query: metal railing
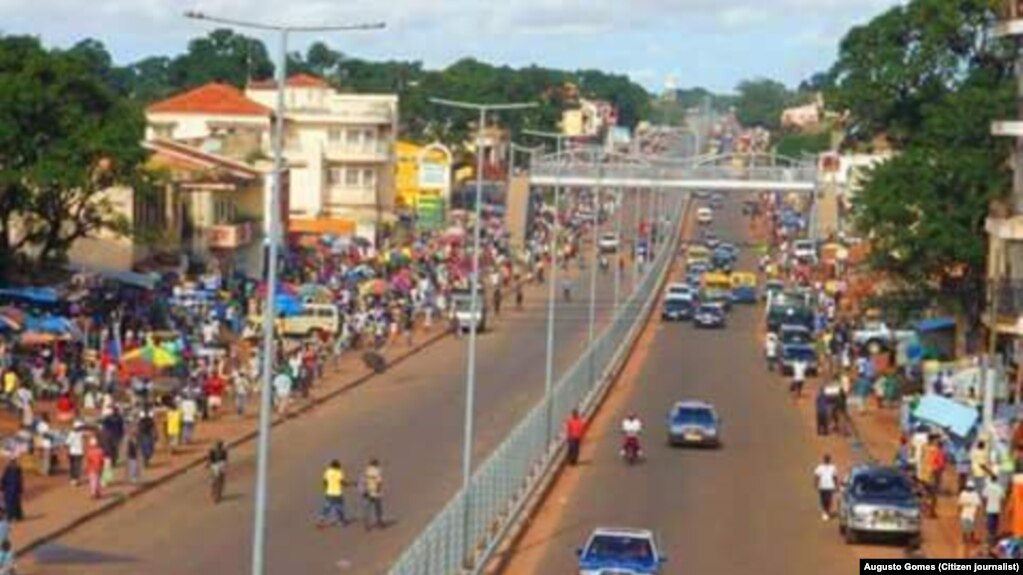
x: 455, y: 541
x: 786, y: 174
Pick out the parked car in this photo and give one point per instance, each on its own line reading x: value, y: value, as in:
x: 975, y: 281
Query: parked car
x: 680, y: 289
x: 709, y: 315
x: 620, y: 551
x: 705, y: 215
x: 805, y: 251
x: 694, y: 423
x: 878, y: 500
x: 877, y: 336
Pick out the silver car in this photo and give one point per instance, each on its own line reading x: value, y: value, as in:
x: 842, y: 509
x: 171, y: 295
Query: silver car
x: 879, y: 500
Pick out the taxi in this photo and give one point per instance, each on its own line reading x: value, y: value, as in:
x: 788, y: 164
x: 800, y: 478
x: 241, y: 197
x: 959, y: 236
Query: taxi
x: 744, y: 287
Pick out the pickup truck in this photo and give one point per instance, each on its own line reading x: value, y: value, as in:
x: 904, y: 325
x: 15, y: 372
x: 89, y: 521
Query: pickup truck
x: 878, y: 336
x: 462, y: 313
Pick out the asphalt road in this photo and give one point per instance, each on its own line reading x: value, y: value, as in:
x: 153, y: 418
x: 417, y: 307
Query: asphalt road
x: 749, y: 507
x: 411, y: 418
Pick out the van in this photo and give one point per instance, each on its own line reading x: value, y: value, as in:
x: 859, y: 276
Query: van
x: 313, y: 319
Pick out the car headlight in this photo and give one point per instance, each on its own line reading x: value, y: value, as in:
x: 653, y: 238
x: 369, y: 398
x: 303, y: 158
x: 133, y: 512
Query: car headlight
x: 911, y: 514
x: 861, y: 513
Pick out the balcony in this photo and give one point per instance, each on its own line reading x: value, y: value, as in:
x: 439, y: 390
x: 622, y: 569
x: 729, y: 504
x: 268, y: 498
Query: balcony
x: 379, y: 151
x: 231, y: 236
x: 1006, y: 229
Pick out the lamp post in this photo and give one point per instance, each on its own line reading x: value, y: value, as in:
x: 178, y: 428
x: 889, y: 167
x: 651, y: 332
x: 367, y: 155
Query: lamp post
x: 470, y: 378
x: 272, y: 229
x: 552, y: 287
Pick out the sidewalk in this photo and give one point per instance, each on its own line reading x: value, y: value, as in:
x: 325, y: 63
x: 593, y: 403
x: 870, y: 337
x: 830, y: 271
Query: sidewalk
x: 53, y: 507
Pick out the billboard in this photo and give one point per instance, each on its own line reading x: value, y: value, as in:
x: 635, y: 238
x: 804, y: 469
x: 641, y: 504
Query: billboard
x: 433, y: 175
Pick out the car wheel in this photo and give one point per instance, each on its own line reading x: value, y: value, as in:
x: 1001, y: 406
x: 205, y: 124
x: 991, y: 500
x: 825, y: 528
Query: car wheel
x: 914, y: 541
x: 851, y: 536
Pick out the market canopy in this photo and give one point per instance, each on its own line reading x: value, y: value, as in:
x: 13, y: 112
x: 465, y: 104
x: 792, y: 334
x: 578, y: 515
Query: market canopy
x: 958, y: 418
x: 31, y: 294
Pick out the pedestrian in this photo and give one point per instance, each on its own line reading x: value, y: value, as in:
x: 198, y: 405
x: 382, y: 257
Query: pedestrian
x: 372, y: 495
x: 6, y: 558
x: 574, y: 429
x: 282, y: 391
x: 333, y: 510
x: 994, y: 495
x: 12, y: 483
x: 980, y: 459
x: 241, y: 391
x: 821, y: 405
x: 497, y: 301
x: 826, y: 481
x: 798, y: 378
x: 519, y: 296
x: 132, y: 457
x: 146, y: 429
x: 5, y: 527
x: 75, y: 442
x: 189, y: 413
x: 173, y: 427
x: 969, y: 503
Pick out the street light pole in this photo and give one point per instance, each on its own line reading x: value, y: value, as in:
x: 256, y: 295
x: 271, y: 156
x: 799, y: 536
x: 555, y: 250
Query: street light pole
x: 619, y: 208
x: 474, y: 289
x: 593, y: 277
x: 273, y: 231
x: 552, y: 288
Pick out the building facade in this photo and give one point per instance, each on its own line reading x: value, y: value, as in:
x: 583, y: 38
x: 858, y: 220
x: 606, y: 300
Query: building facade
x: 1005, y: 222
x: 423, y: 182
x: 340, y: 151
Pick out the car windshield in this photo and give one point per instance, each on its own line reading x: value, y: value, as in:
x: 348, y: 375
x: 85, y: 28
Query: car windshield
x: 710, y: 309
x: 800, y: 352
x: 795, y: 335
x: 693, y: 416
x: 888, y: 485
x: 619, y: 548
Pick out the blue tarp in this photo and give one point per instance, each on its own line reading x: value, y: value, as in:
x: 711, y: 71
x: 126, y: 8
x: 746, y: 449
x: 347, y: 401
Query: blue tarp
x: 34, y: 295
x: 51, y: 324
x: 935, y: 324
x: 287, y: 305
x: 951, y: 415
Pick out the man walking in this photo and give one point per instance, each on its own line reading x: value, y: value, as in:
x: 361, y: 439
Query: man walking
x: 333, y: 511
x: 13, y: 485
x: 372, y: 495
x: 994, y: 494
x: 826, y: 481
x: 798, y: 378
x: 75, y: 442
x: 821, y: 406
x: 574, y: 428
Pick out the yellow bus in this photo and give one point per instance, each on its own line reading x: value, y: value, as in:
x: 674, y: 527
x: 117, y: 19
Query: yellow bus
x: 697, y: 254
x: 716, y: 281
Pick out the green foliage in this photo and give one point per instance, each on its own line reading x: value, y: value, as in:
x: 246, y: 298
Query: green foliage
x: 65, y: 135
x: 889, y: 69
x: 795, y: 145
x: 761, y: 102
x: 924, y: 210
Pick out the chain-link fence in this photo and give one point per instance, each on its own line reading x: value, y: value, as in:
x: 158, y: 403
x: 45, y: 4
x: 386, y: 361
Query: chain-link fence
x: 465, y: 534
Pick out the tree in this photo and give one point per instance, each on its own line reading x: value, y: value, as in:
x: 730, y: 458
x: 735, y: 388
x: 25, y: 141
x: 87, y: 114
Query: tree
x: 890, y: 68
x: 221, y: 56
x: 65, y: 137
x: 761, y: 102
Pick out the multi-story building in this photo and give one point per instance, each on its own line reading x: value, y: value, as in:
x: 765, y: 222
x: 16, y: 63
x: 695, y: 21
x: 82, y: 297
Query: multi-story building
x: 340, y: 151
x: 1005, y: 222
x: 591, y: 118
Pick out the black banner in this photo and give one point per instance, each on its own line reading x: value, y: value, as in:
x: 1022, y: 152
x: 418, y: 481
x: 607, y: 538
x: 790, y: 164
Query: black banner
x: 876, y: 566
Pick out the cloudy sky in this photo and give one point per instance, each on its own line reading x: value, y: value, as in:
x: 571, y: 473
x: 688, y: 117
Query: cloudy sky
x: 713, y: 43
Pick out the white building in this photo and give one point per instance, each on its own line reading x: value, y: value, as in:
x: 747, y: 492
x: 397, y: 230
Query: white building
x: 339, y: 147
x: 341, y: 151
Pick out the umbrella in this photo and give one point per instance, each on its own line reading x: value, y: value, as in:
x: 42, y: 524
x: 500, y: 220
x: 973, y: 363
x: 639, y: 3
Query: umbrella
x: 154, y: 355
x: 375, y: 287
x: 13, y: 313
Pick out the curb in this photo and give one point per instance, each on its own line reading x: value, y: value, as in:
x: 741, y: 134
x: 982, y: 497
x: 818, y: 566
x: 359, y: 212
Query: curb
x: 198, y: 461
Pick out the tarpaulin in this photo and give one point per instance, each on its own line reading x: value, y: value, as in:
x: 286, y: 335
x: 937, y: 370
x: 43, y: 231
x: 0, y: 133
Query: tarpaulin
x: 949, y: 414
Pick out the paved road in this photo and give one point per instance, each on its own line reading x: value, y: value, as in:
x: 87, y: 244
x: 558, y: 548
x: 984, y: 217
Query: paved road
x: 747, y: 508
x: 411, y: 418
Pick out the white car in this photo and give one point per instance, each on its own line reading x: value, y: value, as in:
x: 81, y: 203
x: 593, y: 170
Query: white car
x: 608, y: 243
x: 805, y: 250
x: 705, y: 215
x: 679, y: 289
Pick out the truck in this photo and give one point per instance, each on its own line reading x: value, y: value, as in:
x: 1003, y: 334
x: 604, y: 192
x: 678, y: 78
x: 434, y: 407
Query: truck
x: 876, y: 336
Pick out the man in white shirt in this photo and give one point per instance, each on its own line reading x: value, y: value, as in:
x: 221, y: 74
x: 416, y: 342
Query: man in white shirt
x: 798, y: 377
x: 75, y: 441
x: 771, y: 351
x: 994, y: 494
x: 189, y: 411
x: 826, y: 480
x: 969, y: 503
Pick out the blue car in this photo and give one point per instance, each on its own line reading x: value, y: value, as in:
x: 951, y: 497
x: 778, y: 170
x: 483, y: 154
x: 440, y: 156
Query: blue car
x: 620, y: 551
x: 694, y: 423
x: 677, y: 307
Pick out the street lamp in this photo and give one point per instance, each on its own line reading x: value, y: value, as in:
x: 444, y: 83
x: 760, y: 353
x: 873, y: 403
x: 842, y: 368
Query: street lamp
x: 272, y: 229
x: 551, y: 290
x: 470, y: 378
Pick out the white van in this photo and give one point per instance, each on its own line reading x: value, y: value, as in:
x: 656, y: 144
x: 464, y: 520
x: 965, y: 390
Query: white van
x: 705, y: 215
x: 314, y: 319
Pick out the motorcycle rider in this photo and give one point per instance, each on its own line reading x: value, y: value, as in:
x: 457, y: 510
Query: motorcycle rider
x: 632, y: 427
x: 566, y: 289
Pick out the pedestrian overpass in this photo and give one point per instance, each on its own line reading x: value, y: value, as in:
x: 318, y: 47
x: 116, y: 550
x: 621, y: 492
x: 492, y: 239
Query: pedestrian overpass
x: 588, y: 168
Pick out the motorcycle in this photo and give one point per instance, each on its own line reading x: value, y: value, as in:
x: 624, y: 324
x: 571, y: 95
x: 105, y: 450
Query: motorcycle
x: 631, y: 452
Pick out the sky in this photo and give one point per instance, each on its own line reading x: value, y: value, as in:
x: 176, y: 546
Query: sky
x: 710, y: 43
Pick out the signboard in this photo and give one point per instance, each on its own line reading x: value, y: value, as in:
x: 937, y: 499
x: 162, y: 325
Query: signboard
x: 429, y: 211
x: 433, y: 175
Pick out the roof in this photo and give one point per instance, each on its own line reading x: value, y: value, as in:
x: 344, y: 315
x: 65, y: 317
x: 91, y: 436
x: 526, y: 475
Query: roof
x: 296, y: 81
x: 212, y: 98
x: 623, y: 532
x: 694, y: 403
x: 935, y: 324
x: 186, y: 157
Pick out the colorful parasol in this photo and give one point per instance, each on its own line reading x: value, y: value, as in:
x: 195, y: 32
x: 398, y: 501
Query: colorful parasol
x: 153, y: 355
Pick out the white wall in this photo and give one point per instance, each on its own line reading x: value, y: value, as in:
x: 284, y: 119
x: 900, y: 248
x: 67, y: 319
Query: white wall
x: 190, y: 126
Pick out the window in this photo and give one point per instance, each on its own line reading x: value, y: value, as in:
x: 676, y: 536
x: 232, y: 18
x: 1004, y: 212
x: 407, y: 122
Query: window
x: 369, y: 138
x: 224, y: 212
x: 335, y: 135
x: 369, y: 178
x: 352, y: 137
x: 335, y: 176
x: 163, y: 130
x: 351, y: 178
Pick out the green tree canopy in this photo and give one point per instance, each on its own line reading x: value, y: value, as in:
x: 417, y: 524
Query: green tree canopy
x: 65, y: 136
x: 761, y: 102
